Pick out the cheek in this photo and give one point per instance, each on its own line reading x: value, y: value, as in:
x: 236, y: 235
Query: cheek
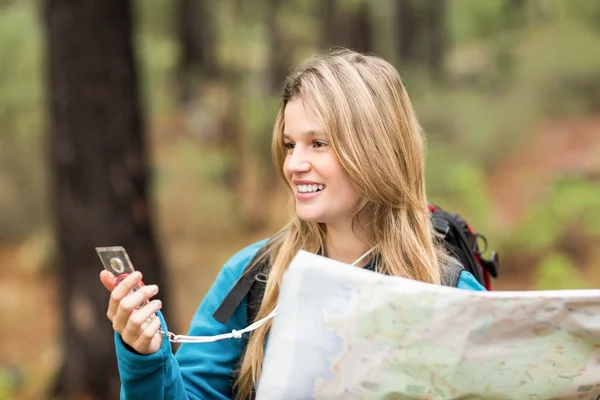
x: 349, y: 193
x: 347, y: 187
x: 286, y: 170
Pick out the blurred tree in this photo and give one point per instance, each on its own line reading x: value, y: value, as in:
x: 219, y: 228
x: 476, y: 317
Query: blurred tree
x: 347, y: 24
x: 358, y: 27
x: 197, y: 44
x: 421, y: 33
x: 329, y: 34
x: 515, y: 13
x: 99, y: 179
x: 406, y: 31
x: 278, y: 53
x: 436, y: 34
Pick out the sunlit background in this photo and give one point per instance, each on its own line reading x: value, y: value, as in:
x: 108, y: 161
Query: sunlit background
x: 508, y: 93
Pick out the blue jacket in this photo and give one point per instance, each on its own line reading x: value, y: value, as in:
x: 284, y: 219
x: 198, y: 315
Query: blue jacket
x: 200, y: 371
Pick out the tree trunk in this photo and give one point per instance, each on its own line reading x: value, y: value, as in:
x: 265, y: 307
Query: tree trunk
x: 99, y: 179
x: 196, y: 44
x: 329, y: 34
x: 278, y: 62
x: 436, y: 13
x: 421, y: 35
x: 351, y: 28
x: 406, y: 32
x: 359, y: 29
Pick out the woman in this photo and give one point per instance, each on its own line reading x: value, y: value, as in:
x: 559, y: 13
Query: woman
x: 347, y: 143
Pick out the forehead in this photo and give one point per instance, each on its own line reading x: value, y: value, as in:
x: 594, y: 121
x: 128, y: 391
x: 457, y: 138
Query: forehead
x: 298, y: 121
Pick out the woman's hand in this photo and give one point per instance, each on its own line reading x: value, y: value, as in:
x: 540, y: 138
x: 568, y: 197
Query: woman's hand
x: 138, y: 327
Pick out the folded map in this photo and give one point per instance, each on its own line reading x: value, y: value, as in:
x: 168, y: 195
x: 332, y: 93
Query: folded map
x: 343, y: 332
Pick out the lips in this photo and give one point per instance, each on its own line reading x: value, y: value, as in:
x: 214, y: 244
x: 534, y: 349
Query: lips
x: 306, y: 190
x: 308, y: 195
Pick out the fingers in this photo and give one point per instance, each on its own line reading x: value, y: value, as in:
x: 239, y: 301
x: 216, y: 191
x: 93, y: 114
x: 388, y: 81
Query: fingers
x: 129, y: 303
x: 108, y: 280
x: 145, y: 337
x: 120, y: 291
x: 137, y: 327
x: 137, y: 322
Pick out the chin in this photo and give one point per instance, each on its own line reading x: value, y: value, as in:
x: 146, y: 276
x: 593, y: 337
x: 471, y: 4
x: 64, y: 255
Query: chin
x: 309, y: 217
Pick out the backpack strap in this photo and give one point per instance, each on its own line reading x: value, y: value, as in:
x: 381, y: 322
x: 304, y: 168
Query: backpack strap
x: 243, y: 286
x: 257, y: 290
x: 450, y: 277
x: 451, y: 274
x: 252, y: 284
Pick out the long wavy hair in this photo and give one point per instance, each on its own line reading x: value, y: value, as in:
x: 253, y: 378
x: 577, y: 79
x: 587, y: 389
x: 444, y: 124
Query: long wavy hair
x: 368, y: 119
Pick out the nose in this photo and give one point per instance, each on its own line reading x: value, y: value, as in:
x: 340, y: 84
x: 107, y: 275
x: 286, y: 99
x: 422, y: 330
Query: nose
x: 297, y: 162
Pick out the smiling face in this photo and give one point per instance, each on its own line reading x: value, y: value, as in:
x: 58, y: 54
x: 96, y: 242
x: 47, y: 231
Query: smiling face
x: 323, y: 192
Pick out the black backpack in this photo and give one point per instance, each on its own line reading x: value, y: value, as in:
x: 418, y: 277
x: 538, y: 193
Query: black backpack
x: 459, y: 238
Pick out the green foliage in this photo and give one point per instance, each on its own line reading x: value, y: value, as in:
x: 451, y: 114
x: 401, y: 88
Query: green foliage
x: 6, y: 384
x: 258, y: 115
x: 474, y: 19
x: 188, y: 189
x: 570, y: 202
x: 553, y: 72
x: 460, y: 187
x: 22, y: 189
x: 156, y: 51
x: 506, y: 72
x: 558, y: 272
x: 20, y: 71
x: 481, y: 127
x: 155, y: 20
x: 485, y: 112
x: 583, y: 10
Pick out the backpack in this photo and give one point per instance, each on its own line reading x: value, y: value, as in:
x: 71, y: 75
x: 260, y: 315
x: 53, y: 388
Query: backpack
x: 459, y: 239
x: 464, y: 243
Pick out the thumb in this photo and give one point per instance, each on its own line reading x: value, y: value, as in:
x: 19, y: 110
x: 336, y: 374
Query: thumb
x: 108, y: 280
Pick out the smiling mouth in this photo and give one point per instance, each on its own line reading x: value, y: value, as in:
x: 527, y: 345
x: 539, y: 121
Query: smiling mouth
x: 314, y: 188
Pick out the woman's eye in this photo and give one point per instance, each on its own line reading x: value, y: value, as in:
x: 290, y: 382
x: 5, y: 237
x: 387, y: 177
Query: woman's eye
x: 320, y: 143
x: 288, y: 146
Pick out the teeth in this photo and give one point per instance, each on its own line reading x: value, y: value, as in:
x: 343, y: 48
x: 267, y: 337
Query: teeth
x: 310, y: 188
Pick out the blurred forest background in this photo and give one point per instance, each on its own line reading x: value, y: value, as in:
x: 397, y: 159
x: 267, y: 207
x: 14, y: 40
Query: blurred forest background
x: 147, y: 124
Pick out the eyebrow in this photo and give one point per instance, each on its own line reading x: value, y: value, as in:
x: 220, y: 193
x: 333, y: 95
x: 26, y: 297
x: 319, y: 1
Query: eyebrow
x: 311, y: 133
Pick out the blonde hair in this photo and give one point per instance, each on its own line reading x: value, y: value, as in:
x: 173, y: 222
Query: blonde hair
x: 368, y: 119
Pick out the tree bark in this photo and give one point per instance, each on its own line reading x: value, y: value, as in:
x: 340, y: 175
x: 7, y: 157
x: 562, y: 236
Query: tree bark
x: 406, y: 32
x: 436, y: 11
x: 278, y: 62
x: 421, y: 35
x: 350, y: 28
x: 360, y: 30
x: 99, y: 178
x: 328, y: 20
x: 196, y: 43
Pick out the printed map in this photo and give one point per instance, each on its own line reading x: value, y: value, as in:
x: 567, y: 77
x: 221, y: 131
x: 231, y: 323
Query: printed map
x: 346, y: 333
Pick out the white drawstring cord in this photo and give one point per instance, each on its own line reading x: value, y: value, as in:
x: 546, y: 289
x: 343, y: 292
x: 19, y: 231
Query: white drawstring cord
x: 235, y: 334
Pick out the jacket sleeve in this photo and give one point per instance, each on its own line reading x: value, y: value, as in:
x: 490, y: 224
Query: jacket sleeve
x: 197, y: 370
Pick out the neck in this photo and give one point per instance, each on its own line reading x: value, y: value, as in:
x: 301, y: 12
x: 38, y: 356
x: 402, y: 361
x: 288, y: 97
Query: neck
x: 342, y: 244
